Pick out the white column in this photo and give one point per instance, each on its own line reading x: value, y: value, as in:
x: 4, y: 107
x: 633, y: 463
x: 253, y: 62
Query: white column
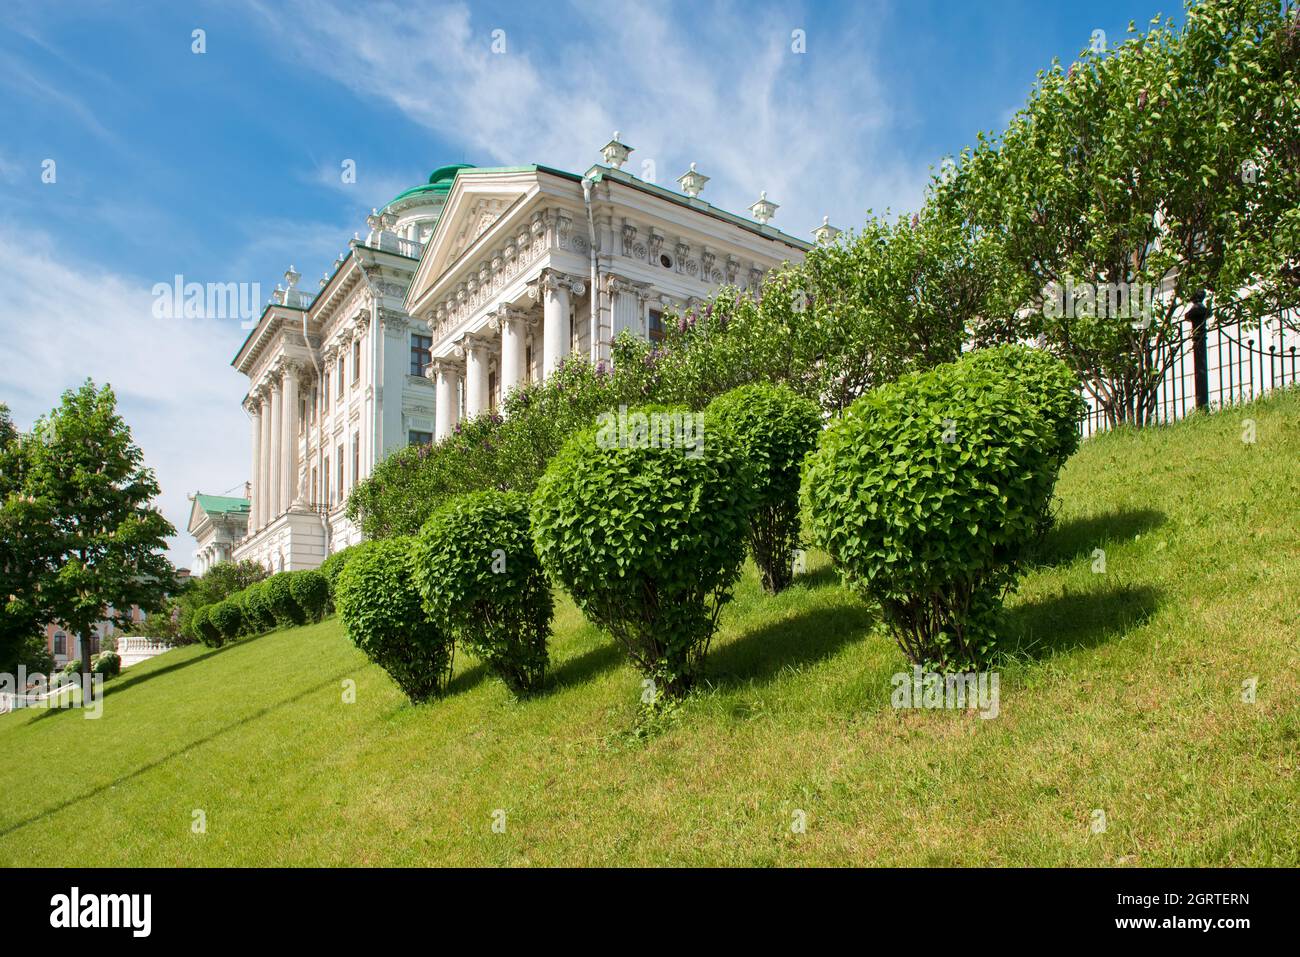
x: 476, y: 378
x: 264, y: 464
x: 446, y: 412
x: 555, y: 324
x: 277, y: 450
x: 255, y: 418
x: 512, y: 352
x: 289, y: 440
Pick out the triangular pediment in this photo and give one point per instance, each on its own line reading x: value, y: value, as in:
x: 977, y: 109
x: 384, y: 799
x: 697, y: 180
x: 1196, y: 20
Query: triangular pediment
x: 479, y: 202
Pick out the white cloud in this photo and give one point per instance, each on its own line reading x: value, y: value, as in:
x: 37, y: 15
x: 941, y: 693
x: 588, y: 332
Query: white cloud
x: 716, y: 85
x: 63, y: 321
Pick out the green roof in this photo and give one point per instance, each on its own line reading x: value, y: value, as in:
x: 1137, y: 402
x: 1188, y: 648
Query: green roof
x: 439, y: 183
x: 221, y: 504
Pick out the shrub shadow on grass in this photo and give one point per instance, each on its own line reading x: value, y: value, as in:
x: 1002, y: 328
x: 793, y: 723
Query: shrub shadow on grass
x: 762, y: 653
x: 582, y: 668
x: 1074, y: 539
x: 466, y: 679
x: 1075, y: 620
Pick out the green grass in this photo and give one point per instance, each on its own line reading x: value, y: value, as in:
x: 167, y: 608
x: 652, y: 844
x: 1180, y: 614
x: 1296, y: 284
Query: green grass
x: 1124, y: 694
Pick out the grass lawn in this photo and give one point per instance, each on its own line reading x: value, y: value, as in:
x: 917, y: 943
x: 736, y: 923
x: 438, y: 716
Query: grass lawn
x: 1123, y: 694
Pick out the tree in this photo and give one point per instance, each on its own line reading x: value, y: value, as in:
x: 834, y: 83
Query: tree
x: 1140, y: 176
x: 23, y: 551
x: 103, y: 548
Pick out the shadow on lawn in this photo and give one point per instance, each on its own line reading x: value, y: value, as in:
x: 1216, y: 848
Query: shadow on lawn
x: 1075, y: 620
x: 176, y: 753
x: 802, y: 639
x: 1076, y: 538
x: 584, y: 667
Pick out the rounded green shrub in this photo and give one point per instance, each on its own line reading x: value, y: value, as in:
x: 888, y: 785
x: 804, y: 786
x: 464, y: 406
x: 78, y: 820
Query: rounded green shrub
x: 226, y: 617
x: 1047, y: 382
x: 643, y: 520
x: 379, y: 606
x: 774, y: 428
x: 279, y: 593
x: 334, y: 563
x: 927, y: 493
x: 259, y: 616
x: 311, y: 590
x: 480, y: 580
x: 108, y: 664
x: 205, y: 628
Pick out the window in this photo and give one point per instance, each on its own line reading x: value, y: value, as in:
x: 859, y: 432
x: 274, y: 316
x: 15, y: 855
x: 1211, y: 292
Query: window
x: 656, y: 325
x: 342, y: 373
x: 528, y: 362
x: 356, y: 361
x: 338, y: 462
x: 419, y: 438
x: 420, y: 347
x: 492, y: 390
x: 302, y: 415
x: 356, y: 457
x: 315, y: 488
x: 60, y: 643
x: 325, y: 394
x: 326, y: 497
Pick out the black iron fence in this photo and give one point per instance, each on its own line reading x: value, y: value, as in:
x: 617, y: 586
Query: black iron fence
x: 1243, y: 363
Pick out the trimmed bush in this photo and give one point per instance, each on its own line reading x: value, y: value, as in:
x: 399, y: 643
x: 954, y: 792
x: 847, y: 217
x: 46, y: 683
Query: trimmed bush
x: 205, y: 628
x: 278, y: 590
x: 72, y: 667
x: 258, y: 614
x: 311, y: 590
x: 381, y: 613
x: 108, y: 664
x: 1048, y: 383
x: 226, y: 617
x: 774, y: 428
x: 926, y: 494
x: 480, y: 580
x: 334, y: 563
x: 648, y: 537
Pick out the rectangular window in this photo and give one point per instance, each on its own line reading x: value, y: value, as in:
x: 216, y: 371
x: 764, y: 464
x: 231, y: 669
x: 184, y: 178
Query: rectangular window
x: 326, y: 492
x: 492, y: 390
x: 338, y: 463
x: 528, y: 362
x: 325, y: 394
x: 420, y: 348
x: 315, y: 486
x: 656, y: 325
x: 60, y: 644
x: 302, y: 415
x: 356, y: 361
x: 356, y: 457
x: 342, y: 375
x: 419, y: 438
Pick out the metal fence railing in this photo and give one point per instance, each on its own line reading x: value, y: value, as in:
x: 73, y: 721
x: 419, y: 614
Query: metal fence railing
x: 1244, y: 362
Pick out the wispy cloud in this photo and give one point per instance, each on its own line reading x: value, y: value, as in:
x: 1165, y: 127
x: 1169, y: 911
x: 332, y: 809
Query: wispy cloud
x: 65, y: 321
x: 719, y: 85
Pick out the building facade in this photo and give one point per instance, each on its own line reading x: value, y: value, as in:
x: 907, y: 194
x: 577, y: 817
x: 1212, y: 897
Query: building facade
x: 217, y: 523
x: 465, y: 287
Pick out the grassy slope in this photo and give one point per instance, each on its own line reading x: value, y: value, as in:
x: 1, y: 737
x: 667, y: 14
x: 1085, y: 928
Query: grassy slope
x: 1125, y: 697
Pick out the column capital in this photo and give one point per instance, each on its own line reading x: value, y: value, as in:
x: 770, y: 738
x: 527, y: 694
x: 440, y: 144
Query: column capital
x: 552, y: 280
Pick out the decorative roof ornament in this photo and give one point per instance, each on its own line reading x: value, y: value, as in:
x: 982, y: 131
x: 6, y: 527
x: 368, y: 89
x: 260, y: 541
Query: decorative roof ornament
x: 615, y: 153
x: 764, y: 209
x: 826, y: 233
x: 692, y: 182
x: 291, y: 276
x: 375, y: 221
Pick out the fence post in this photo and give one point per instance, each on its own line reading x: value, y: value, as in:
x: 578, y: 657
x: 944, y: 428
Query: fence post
x: 1199, y: 316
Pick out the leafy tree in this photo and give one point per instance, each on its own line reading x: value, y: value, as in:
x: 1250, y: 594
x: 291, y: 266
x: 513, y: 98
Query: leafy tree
x: 23, y: 554
x: 1139, y: 176
x: 101, y: 544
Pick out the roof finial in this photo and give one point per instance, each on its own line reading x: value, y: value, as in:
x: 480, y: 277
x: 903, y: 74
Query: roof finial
x: 614, y: 152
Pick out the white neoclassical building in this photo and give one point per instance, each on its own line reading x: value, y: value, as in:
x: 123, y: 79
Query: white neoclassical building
x: 463, y: 288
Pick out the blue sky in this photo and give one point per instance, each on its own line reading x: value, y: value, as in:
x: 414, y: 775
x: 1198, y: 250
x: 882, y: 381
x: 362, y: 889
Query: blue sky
x: 225, y: 166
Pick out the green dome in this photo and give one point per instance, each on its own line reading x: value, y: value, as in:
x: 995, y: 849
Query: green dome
x: 439, y: 183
